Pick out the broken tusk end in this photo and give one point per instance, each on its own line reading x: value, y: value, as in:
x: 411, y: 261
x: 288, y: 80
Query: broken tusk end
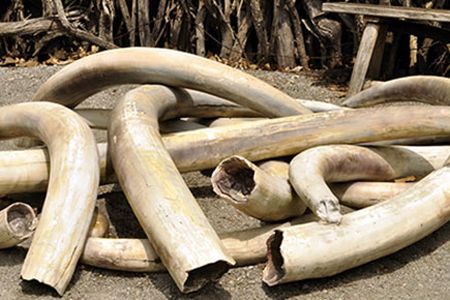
x: 329, y: 211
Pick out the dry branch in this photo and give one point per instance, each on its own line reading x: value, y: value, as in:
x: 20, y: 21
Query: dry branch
x: 78, y: 33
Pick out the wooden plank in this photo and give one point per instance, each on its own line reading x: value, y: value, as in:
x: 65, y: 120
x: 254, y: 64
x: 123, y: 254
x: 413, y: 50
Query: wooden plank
x: 421, y: 30
x: 363, y: 58
x: 377, y: 57
x: 414, y: 13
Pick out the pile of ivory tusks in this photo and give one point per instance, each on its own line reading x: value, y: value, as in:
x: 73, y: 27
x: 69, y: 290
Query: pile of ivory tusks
x: 147, y: 166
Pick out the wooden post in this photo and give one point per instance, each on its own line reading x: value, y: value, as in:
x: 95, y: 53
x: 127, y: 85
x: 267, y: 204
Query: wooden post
x: 372, y: 33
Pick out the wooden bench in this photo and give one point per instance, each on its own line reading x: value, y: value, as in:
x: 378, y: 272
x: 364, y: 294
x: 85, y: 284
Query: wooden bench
x: 381, y: 19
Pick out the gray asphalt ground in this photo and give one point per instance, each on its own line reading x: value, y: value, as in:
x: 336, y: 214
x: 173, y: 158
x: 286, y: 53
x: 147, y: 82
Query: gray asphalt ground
x: 421, y: 271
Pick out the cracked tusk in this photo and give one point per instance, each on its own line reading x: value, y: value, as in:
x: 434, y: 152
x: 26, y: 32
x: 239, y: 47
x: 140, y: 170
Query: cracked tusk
x: 319, y: 250
x: 254, y: 140
x: 429, y: 89
x: 69, y: 204
x: 94, y: 73
x: 310, y: 170
x: 17, y: 223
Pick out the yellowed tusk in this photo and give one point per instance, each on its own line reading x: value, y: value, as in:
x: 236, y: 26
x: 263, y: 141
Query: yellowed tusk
x: 17, y: 223
x: 310, y: 170
x: 72, y: 189
x: 428, y: 89
x: 137, y: 255
x: 94, y: 73
x: 27, y: 170
x: 318, y: 250
x: 262, y: 192
x: 365, y: 193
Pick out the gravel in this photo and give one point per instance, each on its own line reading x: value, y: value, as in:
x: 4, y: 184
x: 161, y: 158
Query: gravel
x: 421, y: 271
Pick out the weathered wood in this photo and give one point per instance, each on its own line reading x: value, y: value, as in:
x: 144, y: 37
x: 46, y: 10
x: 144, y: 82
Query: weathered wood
x: 200, y: 29
x: 367, y: 47
x: 87, y: 36
x: 422, y: 30
x: 299, y: 40
x: 282, y: 36
x: 145, y: 36
x: 129, y: 24
x: 413, y: 13
x: 374, y: 69
x: 29, y: 27
x: 261, y: 31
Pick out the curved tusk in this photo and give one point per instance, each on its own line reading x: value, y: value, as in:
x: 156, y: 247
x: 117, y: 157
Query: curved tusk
x: 167, y: 211
x: 364, y: 194
x: 254, y: 140
x: 310, y: 170
x: 264, y: 192
x: 99, y: 225
x: 247, y: 247
x: 17, y: 223
x: 261, y: 192
x: 318, y: 250
x: 203, y: 106
x: 72, y: 189
x: 428, y: 89
x: 97, y: 72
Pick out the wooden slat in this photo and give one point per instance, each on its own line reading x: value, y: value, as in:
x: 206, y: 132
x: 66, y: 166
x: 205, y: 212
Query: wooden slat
x: 363, y: 58
x: 414, y: 13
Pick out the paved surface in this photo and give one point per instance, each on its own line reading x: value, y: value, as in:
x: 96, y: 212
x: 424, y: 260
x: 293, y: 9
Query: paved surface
x: 421, y: 271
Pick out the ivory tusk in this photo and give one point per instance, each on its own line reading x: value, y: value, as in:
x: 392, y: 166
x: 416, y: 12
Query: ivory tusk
x: 310, y: 170
x: 17, y: 223
x: 72, y: 189
x: 170, y: 216
x: 261, y: 192
x: 99, y: 225
x: 318, y: 250
x: 428, y: 89
x: 254, y: 140
x: 365, y: 194
x: 97, y: 72
x: 137, y: 255
x: 204, y: 106
x: 264, y: 192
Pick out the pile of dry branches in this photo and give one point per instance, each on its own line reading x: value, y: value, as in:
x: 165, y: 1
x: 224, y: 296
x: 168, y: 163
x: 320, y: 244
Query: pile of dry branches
x: 147, y: 165
x: 281, y: 33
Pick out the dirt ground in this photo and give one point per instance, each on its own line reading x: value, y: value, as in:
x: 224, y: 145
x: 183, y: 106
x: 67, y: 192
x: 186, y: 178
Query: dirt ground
x: 421, y: 271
